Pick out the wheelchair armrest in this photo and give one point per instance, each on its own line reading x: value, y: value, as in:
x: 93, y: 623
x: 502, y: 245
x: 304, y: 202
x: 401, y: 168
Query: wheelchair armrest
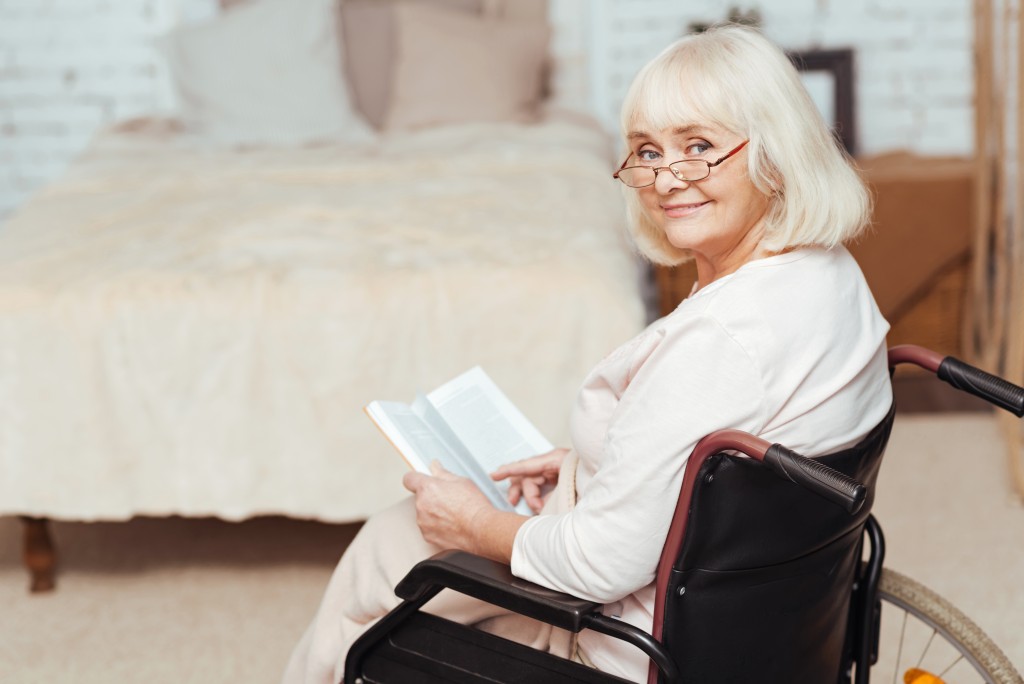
x: 494, y: 583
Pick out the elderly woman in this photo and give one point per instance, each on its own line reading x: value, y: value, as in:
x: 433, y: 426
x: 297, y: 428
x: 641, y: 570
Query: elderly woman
x: 728, y: 164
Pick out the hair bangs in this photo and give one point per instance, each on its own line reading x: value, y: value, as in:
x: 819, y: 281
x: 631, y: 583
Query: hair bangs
x: 677, y: 88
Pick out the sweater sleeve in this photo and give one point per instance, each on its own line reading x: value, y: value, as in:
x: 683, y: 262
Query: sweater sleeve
x: 696, y: 380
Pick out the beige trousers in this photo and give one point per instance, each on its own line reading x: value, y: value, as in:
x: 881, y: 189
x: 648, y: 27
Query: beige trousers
x: 361, y: 591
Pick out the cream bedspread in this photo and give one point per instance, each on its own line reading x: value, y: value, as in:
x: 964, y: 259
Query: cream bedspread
x: 195, y: 332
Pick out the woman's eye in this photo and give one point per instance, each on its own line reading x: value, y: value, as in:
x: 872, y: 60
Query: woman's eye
x: 647, y: 156
x: 697, y: 149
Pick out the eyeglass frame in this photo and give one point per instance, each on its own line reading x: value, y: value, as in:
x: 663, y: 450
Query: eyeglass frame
x: 674, y: 173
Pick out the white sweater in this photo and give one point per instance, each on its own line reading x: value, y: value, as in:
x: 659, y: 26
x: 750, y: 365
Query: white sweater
x: 790, y: 348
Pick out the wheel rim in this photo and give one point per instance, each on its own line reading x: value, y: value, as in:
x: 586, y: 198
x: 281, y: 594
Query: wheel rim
x: 925, y: 652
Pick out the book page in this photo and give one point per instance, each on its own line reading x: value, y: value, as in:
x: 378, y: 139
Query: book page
x: 420, y: 435
x: 469, y: 426
x: 489, y: 425
x: 415, y: 440
x: 467, y: 465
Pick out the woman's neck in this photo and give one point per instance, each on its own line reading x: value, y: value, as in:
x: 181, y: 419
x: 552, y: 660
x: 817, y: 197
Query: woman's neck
x: 712, y: 268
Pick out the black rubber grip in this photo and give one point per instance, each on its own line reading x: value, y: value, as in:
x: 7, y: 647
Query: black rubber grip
x: 817, y: 477
x: 991, y: 388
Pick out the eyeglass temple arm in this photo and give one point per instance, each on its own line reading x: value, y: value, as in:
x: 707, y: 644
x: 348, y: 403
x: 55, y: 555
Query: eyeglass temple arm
x: 622, y: 166
x: 729, y: 154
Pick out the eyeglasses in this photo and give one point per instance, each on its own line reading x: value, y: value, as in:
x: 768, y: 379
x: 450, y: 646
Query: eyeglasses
x: 688, y: 170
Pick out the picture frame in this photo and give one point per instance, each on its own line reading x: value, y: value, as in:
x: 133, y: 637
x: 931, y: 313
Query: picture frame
x: 828, y: 76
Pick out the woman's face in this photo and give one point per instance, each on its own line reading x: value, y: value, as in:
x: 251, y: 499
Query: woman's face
x: 720, y: 219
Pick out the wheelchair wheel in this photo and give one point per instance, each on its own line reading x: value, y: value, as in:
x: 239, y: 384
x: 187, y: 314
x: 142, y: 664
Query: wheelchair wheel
x: 925, y: 640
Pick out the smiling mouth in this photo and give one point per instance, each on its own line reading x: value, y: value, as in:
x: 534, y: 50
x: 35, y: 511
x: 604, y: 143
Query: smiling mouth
x: 677, y: 210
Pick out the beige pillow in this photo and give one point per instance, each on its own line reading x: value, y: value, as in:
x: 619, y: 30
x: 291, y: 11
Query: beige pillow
x: 452, y: 67
x: 368, y: 33
x: 264, y: 73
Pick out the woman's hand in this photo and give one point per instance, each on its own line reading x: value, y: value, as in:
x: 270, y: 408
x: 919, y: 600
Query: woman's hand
x: 447, y: 507
x: 532, y: 478
x: 453, y: 513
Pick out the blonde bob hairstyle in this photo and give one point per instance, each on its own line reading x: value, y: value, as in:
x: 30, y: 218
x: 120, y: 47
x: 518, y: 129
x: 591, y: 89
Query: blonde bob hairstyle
x: 733, y: 77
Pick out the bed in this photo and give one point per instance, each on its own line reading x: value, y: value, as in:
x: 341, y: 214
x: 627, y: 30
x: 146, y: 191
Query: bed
x: 191, y: 320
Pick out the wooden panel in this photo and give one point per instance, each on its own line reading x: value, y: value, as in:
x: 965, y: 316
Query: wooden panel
x: 934, y: 320
x: 673, y: 285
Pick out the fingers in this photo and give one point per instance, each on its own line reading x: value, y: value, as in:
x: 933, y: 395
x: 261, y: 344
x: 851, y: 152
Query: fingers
x: 524, y: 466
x: 531, y: 492
x: 531, y: 489
x: 437, y: 470
x: 414, y: 480
x: 514, y: 492
x: 542, y: 464
x: 507, y: 470
x: 530, y: 478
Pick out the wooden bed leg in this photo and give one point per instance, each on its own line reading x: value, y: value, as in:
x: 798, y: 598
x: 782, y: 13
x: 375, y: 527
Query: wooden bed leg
x: 40, y: 557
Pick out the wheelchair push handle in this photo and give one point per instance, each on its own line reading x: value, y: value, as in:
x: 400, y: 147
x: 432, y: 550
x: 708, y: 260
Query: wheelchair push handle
x: 991, y: 388
x: 817, y: 477
x: 787, y: 464
x: 963, y: 376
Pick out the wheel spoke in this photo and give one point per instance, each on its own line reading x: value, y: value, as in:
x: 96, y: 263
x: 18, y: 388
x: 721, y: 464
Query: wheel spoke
x: 926, y: 647
x: 960, y: 656
x: 899, y: 650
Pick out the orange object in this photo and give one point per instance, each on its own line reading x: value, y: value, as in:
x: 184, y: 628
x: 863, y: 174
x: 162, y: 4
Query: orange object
x: 915, y: 676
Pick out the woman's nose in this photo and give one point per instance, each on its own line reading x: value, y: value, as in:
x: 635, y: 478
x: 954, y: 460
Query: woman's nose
x: 665, y: 181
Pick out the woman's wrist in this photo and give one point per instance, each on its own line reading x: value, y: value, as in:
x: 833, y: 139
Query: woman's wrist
x: 494, y: 534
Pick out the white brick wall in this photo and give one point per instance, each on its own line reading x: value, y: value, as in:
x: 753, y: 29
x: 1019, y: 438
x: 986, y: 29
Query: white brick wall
x: 68, y: 67
x: 913, y: 59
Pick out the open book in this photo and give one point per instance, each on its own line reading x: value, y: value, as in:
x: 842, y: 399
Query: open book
x: 469, y: 426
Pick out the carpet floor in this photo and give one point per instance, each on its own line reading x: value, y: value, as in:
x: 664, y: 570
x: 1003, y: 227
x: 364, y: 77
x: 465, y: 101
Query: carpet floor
x: 205, y: 601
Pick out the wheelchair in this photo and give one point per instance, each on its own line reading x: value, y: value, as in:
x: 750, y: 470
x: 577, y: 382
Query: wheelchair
x: 772, y: 572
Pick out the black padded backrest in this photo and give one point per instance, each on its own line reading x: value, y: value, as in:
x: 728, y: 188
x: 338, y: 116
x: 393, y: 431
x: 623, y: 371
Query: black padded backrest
x: 761, y: 588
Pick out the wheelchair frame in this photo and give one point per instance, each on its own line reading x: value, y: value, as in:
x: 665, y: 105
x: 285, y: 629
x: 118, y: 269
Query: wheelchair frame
x: 381, y: 646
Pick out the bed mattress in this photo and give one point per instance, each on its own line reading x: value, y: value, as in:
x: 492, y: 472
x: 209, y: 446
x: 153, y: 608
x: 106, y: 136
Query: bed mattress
x: 193, y: 331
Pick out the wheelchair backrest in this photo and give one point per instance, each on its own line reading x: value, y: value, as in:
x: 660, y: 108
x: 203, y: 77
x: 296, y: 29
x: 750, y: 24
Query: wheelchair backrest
x: 760, y: 585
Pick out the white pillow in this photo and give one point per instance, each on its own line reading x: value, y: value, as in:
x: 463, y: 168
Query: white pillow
x: 264, y: 73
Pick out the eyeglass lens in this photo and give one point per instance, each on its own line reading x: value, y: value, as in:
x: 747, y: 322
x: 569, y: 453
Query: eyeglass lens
x: 685, y: 170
